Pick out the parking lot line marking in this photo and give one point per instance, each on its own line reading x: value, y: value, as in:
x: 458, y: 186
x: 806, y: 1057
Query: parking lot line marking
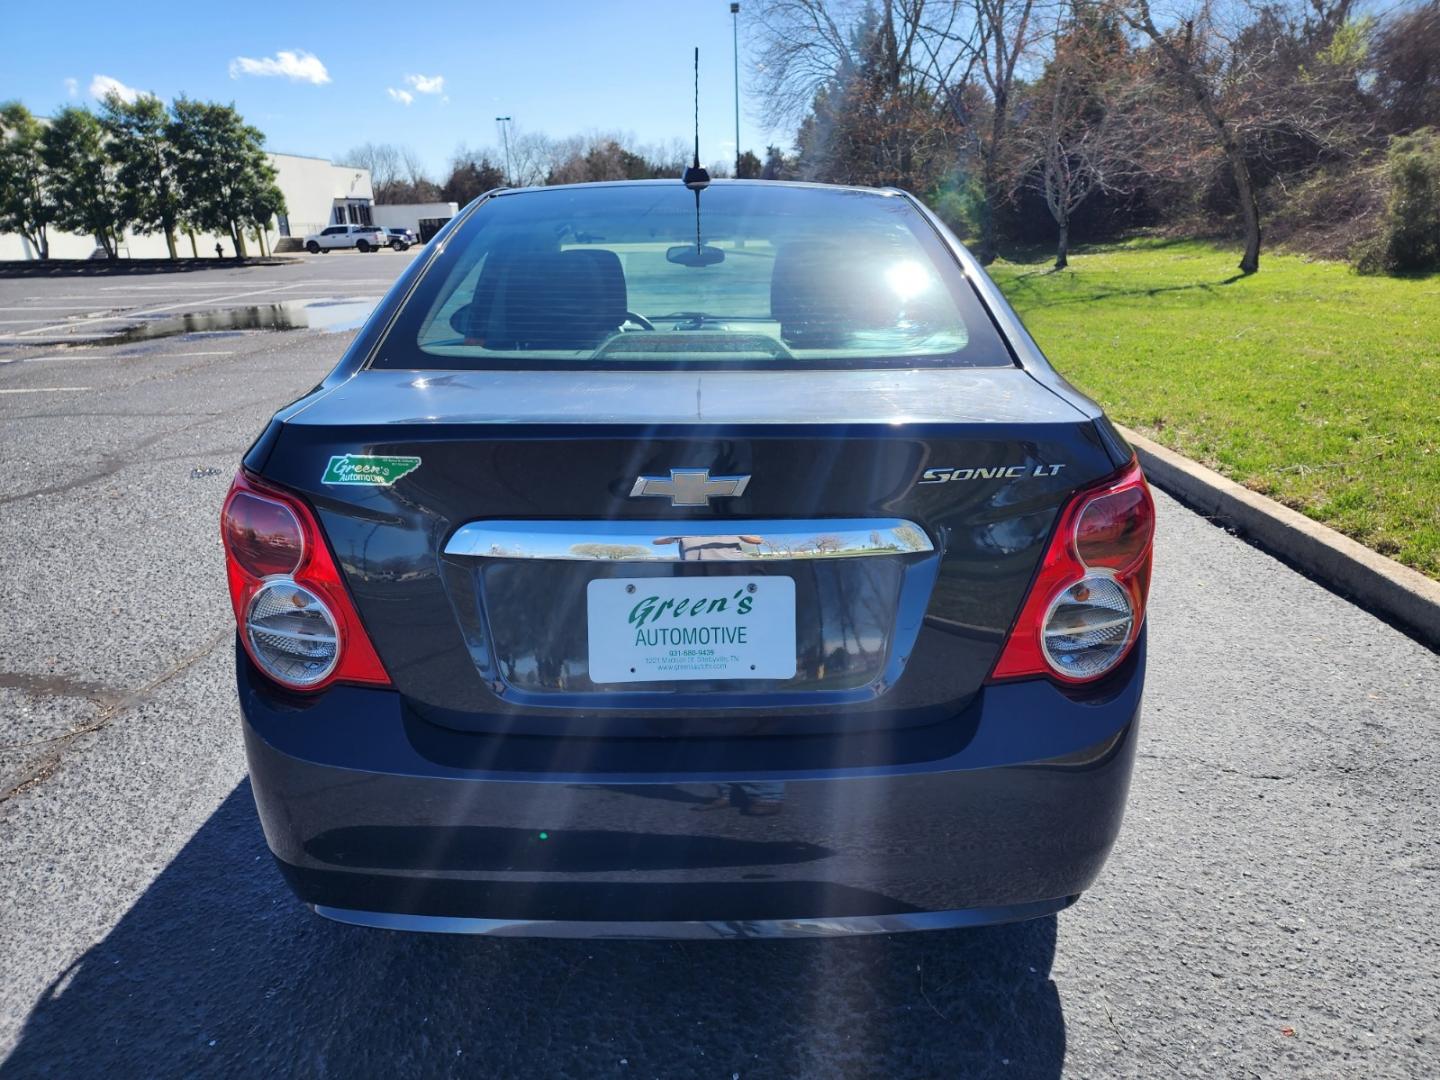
x: 53, y: 356
x: 74, y: 302
x: 112, y: 303
x: 157, y: 310
x: 179, y: 286
x: 78, y: 316
x: 45, y: 390
x: 91, y: 298
x: 221, y: 285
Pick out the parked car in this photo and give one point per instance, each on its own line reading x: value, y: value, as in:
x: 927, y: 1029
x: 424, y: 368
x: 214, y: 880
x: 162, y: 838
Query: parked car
x: 359, y: 237
x: 401, y: 239
x: 617, y: 582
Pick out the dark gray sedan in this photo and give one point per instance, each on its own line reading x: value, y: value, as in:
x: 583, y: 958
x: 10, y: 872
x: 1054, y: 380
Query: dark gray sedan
x: 710, y: 561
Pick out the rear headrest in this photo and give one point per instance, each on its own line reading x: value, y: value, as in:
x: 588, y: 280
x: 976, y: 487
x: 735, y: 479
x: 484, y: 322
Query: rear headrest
x: 545, y: 300
x: 821, y: 293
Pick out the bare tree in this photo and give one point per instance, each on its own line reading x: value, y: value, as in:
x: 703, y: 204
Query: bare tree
x: 1407, y: 67
x: 1074, y: 139
x: 1277, y: 87
x: 929, y: 72
x: 1188, y: 50
x: 1005, y: 31
x: 806, y: 45
x: 669, y: 158
x: 383, y: 162
x: 396, y: 173
x: 534, y: 156
x: 421, y: 187
x: 866, y: 81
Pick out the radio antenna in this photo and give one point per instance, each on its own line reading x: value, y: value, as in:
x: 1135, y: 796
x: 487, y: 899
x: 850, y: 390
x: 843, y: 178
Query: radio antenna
x: 696, y: 178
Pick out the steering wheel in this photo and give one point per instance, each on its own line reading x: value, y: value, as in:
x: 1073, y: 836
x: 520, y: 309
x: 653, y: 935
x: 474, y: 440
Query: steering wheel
x: 639, y: 320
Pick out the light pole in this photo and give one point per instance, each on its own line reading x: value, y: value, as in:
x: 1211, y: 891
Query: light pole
x: 504, y: 122
x: 735, y: 35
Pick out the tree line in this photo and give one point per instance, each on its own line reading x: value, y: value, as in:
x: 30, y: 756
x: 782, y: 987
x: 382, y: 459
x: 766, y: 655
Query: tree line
x: 1020, y: 121
x: 1025, y: 122
x: 537, y: 160
x: 189, y: 167
x: 1027, y: 119
x: 534, y: 159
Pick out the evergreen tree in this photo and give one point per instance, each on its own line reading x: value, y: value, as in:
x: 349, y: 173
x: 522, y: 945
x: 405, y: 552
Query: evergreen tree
x: 469, y: 179
x: 229, y: 183
x: 25, y: 204
x: 88, y: 198
x: 139, y: 144
x: 777, y: 166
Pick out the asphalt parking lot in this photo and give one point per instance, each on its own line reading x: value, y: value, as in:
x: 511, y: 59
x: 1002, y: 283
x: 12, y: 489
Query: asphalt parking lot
x: 1271, y: 909
x: 68, y: 311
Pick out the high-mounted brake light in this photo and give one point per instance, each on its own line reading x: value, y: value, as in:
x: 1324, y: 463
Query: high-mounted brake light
x: 295, y: 616
x: 1086, y: 605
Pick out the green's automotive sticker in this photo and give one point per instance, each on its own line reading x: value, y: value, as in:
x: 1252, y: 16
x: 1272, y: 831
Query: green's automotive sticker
x: 368, y: 469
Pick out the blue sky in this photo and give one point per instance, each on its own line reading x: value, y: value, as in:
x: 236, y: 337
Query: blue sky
x: 320, y: 80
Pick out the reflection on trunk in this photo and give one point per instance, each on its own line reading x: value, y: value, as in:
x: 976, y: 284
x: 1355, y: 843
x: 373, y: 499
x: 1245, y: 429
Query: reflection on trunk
x: 845, y: 615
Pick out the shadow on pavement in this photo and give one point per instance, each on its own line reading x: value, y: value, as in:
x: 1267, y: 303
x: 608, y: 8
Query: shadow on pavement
x: 217, y: 970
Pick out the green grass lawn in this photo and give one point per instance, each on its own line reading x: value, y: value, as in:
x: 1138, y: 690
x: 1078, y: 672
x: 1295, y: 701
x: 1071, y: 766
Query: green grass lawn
x: 1306, y: 382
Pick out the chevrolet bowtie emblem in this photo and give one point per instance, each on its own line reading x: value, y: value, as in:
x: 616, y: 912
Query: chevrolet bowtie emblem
x: 689, y: 487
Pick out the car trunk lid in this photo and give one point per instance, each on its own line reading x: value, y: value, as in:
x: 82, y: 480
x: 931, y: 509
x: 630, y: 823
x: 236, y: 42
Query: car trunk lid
x: 903, y: 512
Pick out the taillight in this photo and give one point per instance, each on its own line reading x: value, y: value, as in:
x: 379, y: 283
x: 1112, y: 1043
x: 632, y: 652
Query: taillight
x: 1087, y: 603
x: 263, y: 534
x: 295, y: 616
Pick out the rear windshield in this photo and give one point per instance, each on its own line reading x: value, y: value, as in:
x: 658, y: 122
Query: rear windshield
x: 760, y: 276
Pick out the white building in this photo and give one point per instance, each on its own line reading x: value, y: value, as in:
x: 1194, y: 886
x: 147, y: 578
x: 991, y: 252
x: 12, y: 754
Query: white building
x: 317, y: 193
x: 424, y: 219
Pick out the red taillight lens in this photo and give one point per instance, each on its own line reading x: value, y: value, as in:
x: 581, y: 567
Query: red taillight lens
x: 1115, y: 530
x: 1086, y: 605
x: 262, y: 535
x: 293, y: 611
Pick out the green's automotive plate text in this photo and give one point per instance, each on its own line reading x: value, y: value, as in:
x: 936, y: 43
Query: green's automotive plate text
x: 672, y: 629
x: 368, y: 469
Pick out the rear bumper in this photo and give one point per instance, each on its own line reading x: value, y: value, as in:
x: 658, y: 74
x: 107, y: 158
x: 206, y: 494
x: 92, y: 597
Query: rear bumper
x: 379, y: 817
x: 846, y: 926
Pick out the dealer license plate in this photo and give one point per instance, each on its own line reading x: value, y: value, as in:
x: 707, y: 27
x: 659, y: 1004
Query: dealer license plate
x: 669, y: 629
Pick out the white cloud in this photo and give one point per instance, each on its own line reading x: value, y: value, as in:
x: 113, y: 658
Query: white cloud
x: 102, y: 86
x: 426, y: 84
x: 297, y: 66
x: 72, y: 87
x: 402, y: 96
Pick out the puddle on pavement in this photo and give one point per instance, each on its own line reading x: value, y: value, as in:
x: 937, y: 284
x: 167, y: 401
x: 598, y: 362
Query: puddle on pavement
x: 328, y: 315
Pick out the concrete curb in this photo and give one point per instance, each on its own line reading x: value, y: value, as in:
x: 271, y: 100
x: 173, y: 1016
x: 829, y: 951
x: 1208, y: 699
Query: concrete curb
x: 1406, y: 597
x: 186, y: 264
